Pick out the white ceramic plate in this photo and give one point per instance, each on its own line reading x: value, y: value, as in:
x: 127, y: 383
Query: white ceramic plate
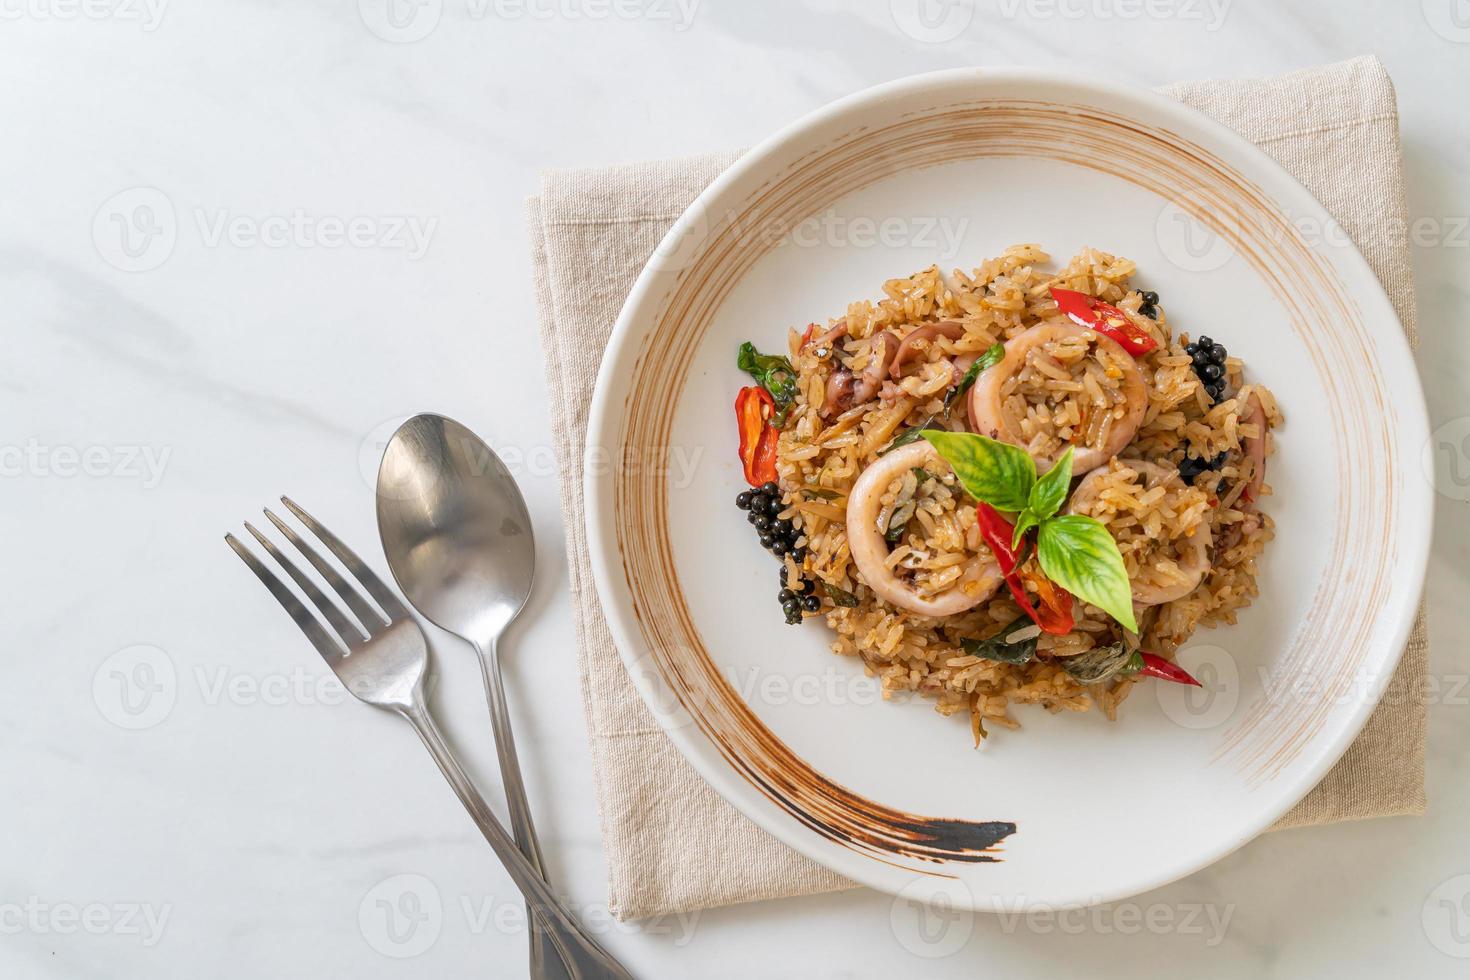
x: 950, y: 168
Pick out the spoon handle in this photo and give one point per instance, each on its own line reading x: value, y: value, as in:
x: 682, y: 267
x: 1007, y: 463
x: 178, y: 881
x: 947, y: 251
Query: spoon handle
x: 546, y: 962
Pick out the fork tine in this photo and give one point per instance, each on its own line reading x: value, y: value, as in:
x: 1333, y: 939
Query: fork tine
x: 355, y: 565
x: 304, y: 619
x: 371, y: 619
x: 346, y: 629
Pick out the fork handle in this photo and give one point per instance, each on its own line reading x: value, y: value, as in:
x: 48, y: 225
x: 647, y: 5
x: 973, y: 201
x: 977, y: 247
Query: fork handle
x: 580, y: 952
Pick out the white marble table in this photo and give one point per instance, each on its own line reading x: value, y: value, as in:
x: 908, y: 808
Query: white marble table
x: 322, y: 234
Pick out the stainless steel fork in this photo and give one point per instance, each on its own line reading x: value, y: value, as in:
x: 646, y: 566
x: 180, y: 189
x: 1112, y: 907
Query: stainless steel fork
x: 382, y: 659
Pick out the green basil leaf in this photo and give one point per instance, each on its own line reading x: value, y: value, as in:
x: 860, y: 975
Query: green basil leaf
x: 821, y: 492
x: 898, y: 521
x: 996, y: 472
x: 773, y: 373
x: 839, y: 597
x: 1025, y: 521
x: 989, y: 359
x: 992, y: 356
x: 910, y: 435
x: 922, y: 474
x: 1049, y: 492
x: 996, y: 648
x: 1080, y: 555
x: 1100, y: 663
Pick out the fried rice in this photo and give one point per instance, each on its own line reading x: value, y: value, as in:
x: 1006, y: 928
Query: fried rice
x: 1067, y: 392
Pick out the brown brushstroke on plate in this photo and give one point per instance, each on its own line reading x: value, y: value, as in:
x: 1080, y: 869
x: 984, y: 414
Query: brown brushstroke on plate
x: 1328, y: 646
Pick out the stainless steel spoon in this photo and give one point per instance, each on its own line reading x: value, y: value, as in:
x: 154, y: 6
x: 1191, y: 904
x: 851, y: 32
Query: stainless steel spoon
x: 458, y: 539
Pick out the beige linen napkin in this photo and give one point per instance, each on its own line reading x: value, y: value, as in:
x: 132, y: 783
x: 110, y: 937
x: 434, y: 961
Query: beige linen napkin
x: 672, y: 843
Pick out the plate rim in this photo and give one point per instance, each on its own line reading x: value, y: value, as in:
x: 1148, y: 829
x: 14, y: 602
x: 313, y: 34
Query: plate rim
x: 694, y: 746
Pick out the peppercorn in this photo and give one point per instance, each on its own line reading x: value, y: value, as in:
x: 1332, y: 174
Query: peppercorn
x: 1192, y: 466
x: 1209, y: 364
x: 1150, y: 305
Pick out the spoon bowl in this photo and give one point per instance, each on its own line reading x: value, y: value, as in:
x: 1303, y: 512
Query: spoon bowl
x: 455, y: 528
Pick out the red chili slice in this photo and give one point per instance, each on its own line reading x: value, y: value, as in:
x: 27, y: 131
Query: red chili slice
x: 1156, y: 666
x: 1055, y: 616
x: 1106, y: 319
x: 753, y: 410
x: 1055, y: 612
